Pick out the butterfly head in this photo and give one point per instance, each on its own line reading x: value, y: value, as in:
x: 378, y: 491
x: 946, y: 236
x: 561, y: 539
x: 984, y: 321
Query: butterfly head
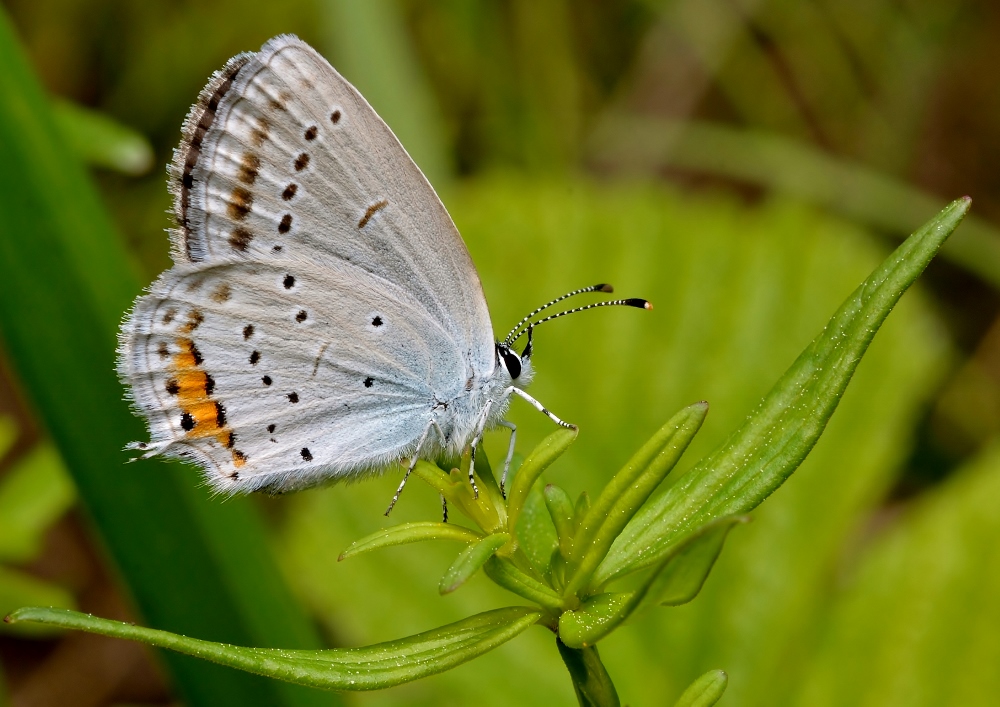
x: 517, y: 366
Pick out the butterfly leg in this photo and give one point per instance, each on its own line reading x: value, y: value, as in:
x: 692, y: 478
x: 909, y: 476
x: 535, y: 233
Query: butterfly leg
x: 510, y: 454
x: 480, y: 427
x: 538, y: 406
x: 413, y: 463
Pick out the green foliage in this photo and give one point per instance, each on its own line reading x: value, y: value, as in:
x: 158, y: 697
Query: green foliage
x: 705, y: 691
x: 370, y: 668
x: 752, y: 462
x: 902, y: 633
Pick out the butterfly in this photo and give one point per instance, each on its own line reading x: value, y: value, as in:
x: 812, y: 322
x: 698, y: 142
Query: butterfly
x: 323, y: 318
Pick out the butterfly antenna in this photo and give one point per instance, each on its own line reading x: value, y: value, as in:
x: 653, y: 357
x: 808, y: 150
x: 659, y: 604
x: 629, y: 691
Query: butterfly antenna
x: 601, y: 287
x: 631, y: 302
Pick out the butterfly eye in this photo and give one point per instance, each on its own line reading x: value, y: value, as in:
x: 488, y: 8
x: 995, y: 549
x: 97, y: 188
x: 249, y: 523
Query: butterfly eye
x: 512, y: 362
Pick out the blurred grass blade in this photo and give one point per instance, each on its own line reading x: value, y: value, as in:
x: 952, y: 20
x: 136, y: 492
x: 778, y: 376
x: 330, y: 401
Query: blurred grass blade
x: 370, y: 668
x: 101, y: 141
x: 33, y: 495
x: 470, y: 560
x: 503, y: 572
x: 410, y: 533
x: 192, y: 564
x: 628, y: 490
x: 795, y: 168
x: 547, y: 451
x: 774, y: 440
x: 19, y: 588
x: 705, y: 691
x: 369, y: 44
x: 678, y: 579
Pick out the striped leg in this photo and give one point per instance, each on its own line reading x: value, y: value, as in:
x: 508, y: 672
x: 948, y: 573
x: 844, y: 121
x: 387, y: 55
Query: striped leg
x: 510, y: 454
x: 538, y: 406
x: 413, y: 461
x: 480, y: 426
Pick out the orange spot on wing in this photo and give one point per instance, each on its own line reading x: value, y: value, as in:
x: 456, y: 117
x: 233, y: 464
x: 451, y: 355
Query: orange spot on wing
x: 193, y: 395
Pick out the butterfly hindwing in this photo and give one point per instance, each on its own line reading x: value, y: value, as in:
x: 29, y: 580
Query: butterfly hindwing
x: 245, y: 370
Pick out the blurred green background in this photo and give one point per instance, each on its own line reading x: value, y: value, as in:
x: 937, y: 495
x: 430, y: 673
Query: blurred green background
x: 742, y: 163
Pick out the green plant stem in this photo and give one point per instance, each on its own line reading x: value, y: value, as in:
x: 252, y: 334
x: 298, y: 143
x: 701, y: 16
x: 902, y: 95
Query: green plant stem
x: 591, y: 681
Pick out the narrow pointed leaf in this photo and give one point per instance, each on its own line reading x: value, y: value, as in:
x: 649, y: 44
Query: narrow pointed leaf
x: 410, y: 533
x: 705, y: 691
x: 470, y: 560
x: 536, y: 535
x: 678, y: 579
x: 628, y: 490
x: 370, y: 668
x: 508, y: 576
x: 561, y: 511
x: 777, y: 436
x: 582, y: 506
x: 684, y: 575
x: 538, y: 461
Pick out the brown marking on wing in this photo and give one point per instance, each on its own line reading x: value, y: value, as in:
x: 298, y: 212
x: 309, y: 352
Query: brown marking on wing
x: 372, y: 210
x: 249, y: 167
x: 240, y: 203
x: 194, y: 320
x: 222, y: 293
x: 208, y: 105
x: 259, y: 134
x: 240, y: 238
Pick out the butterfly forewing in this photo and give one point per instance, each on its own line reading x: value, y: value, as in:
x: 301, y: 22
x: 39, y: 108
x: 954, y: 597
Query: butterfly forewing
x: 296, y: 159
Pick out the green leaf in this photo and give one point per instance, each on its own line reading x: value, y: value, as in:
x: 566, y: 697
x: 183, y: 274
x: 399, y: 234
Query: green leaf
x: 102, y: 141
x: 684, y: 575
x: 410, y: 533
x: 485, y: 510
x: 705, y: 691
x: 778, y: 435
x: 548, y: 450
x: 470, y: 560
x: 536, y: 534
x: 628, y: 490
x: 563, y: 515
x: 676, y: 580
x: 370, y: 668
x: 507, y: 575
